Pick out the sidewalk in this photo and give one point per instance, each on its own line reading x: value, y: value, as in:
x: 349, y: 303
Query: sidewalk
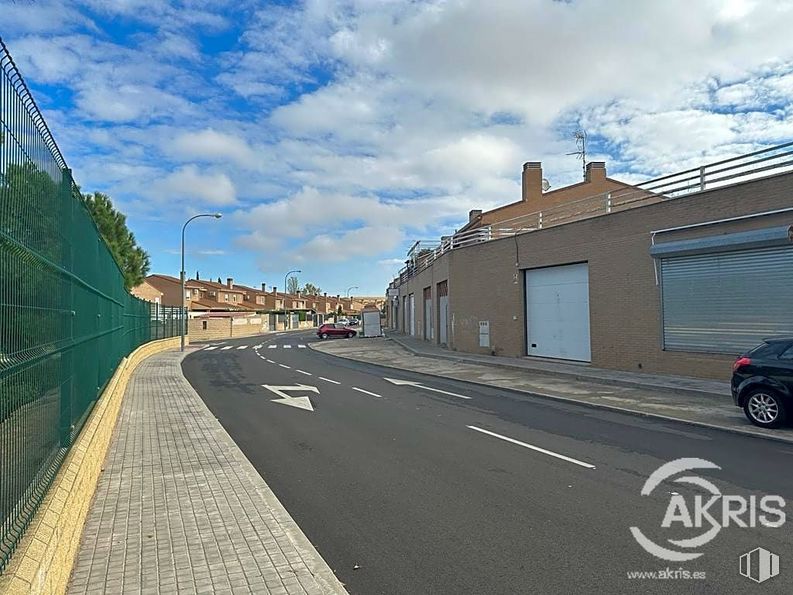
x: 679, y: 384
x: 180, y: 509
x: 698, y: 402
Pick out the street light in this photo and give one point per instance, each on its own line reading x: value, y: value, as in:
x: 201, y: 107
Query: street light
x: 182, y: 274
x: 286, y: 312
x: 350, y: 288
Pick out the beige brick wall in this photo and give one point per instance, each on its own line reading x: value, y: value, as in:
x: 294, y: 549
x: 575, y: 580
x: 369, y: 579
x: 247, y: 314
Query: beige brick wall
x: 227, y: 328
x: 625, y: 317
x: 43, y: 561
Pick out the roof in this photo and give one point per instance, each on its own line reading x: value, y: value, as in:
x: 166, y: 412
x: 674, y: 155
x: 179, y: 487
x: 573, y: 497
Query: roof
x: 168, y: 279
x: 213, y: 285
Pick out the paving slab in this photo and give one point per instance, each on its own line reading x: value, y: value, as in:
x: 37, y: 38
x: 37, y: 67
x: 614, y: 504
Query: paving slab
x: 179, y: 508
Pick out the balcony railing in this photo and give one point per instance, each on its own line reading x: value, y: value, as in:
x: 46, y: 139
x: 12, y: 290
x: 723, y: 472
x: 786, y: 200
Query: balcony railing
x: 751, y: 166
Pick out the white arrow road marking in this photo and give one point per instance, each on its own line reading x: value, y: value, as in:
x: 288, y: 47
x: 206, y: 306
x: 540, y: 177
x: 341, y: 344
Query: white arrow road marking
x: 419, y: 385
x: 271, y: 346
x: 366, y: 392
x: 211, y: 348
x: 301, y: 346
x: 328, y: 380
x: 242, y: 347
x: 532, y: 447
x: 225, y: 348
x: 287, y: 347
x: 285, y: 399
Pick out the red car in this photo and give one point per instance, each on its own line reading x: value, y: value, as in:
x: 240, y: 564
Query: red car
x: 335, y: 330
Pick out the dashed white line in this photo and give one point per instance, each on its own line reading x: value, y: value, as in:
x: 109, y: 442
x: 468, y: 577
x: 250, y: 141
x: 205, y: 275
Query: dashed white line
x: 242, y: 347
x: 285, y: 366
x: 302, y: 372
x: 272, y: 346
x: 532, y: 447
x: 360, y: 390
x: 269, y: 361
x: 301, y: 346
x: 226, y: 348
x: 328, y: 380
x: 287, y: 347
x: 210, y: 348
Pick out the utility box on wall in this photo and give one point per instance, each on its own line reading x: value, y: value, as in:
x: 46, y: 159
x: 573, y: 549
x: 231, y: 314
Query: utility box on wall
x: 370, y: 321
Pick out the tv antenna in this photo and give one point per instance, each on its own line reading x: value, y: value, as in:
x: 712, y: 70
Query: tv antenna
x: 580, y: 143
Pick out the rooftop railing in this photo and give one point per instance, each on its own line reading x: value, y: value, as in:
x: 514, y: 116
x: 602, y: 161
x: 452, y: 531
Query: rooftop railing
x: 750, y: 166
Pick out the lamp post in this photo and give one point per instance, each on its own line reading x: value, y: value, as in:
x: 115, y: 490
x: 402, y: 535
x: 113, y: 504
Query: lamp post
x: 182, y: 276
x: 286, y: 291
x: 350, y: 288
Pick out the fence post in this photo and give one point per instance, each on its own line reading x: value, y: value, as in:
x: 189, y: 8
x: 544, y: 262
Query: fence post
x: 67, y: 357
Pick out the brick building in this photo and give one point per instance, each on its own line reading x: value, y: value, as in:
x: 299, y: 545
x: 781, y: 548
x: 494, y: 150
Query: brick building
x: 678, y: 276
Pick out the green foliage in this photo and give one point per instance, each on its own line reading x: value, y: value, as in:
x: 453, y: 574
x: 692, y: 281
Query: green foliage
x: 311, y: 289
x: 133, y: 260
x: 292, y: 285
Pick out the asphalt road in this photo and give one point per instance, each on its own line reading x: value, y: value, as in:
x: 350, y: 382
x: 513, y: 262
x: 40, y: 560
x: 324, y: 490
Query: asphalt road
x: 404, y: 489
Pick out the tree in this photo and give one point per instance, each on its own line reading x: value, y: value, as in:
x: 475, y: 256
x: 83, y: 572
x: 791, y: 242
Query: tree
x: 292, y: 285
x: 311, y: 289
x: 131, y: 258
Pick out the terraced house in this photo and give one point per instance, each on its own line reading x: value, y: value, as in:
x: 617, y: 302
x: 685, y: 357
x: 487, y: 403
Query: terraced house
x: 674, y: 275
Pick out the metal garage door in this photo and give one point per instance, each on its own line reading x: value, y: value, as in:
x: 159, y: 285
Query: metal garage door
x: 412, y: 307
x: 557, y: 312
x: 727, y: 302
x: 428, y: 326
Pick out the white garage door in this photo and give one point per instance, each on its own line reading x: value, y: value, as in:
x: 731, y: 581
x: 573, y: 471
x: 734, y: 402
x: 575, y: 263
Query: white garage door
x: 557, y: 312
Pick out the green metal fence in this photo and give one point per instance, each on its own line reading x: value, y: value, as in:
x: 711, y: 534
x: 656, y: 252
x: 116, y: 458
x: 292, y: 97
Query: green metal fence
x: 66, y: 320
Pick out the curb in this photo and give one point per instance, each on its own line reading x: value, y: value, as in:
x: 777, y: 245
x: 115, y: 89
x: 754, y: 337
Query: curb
x: 570, y: 400
x: 556, y: 373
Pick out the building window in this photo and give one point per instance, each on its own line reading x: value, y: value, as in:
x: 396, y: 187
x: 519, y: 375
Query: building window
x: 187, y: 295
x: 226, y: 297
x: 204, y: 324
x: 233, y: 297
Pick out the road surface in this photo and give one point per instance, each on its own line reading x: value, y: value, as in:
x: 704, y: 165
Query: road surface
x: 413, y: 484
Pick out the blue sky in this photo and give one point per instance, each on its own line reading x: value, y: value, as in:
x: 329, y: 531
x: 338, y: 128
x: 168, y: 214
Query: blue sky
x: 332, y: 134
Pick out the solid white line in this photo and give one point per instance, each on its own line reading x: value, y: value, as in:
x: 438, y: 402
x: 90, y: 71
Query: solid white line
x: 443, y: 392
x: 225, y: 348
x: 242, y: 347
x: 210, y: 348
x: 306, y: 373
x: 530, y: 446
x: 360, y: 390
x: 328, y: 380
x: 285, y: 366
x: 287, y: 347
x: 272, y: 346
x: 301, y: 346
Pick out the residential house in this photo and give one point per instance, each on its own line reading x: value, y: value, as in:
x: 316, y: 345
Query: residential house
x: 147, y: 291
x: 676, y: 275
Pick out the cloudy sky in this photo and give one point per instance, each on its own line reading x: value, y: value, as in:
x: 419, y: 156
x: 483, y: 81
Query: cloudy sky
x: 332, y: 134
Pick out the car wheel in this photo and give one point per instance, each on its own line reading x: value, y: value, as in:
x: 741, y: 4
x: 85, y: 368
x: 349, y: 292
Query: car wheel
x: 323, y: 336
x: 350, y: 335
x: 764, y: 408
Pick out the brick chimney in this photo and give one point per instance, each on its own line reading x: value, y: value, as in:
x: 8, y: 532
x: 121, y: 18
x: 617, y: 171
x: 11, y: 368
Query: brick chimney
x: 230, y: 283
x: 474, y: 214
x: 275, y: 289
x: 532, y: 181
x: 595, y: 171
x: 197, y: 276
x: 264, y: 287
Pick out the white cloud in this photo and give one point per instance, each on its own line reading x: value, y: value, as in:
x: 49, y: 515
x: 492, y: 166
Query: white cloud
x: 365, y: 241
x: 211, y: 145
x: 188, y: 183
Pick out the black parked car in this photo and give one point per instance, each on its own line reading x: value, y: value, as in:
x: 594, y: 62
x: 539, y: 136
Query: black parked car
x: 762, y: 383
